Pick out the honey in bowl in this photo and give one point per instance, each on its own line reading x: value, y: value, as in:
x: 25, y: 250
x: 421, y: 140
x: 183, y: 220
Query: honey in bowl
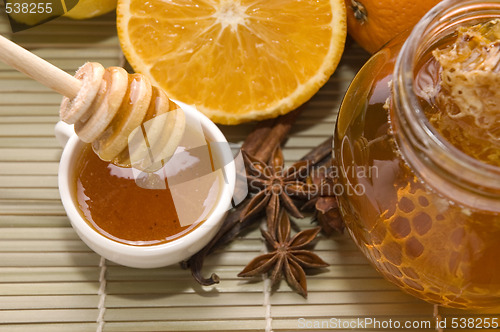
x: 142, y: 209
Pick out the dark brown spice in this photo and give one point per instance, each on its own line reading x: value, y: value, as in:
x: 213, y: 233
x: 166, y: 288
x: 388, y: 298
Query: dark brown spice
x: 277, y: 136
x: 276, y: 186
x: 321, y: 153
x: 324, y: 204
x: 257, y: 137
x: 258, y: 148
x: 288, y: 258
x: 265, y: 133
x: 328, y: 215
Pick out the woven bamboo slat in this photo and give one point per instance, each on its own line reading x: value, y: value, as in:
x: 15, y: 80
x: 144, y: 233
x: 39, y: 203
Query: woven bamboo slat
x: 50, y: 281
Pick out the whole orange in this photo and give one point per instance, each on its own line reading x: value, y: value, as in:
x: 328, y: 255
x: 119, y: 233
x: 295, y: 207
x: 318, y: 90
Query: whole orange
x: 372, y: 23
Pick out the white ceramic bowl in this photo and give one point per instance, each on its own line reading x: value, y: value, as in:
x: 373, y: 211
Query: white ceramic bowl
x: 145, y: 256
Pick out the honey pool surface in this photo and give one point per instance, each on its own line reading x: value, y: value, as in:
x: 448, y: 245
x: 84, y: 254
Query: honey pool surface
x: 113, y: 203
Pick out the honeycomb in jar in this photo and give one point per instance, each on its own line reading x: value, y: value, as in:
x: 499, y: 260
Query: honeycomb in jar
x: 420, y: 245
x: 467, y: 100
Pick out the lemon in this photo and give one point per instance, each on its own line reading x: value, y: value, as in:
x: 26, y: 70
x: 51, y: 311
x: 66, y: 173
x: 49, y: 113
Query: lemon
x: 91, y: 8
x: 234, y: 60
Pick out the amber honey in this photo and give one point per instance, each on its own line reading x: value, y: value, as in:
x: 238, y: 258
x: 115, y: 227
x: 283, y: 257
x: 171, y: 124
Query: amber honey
x: 117, y: 204
x: 418, y: 236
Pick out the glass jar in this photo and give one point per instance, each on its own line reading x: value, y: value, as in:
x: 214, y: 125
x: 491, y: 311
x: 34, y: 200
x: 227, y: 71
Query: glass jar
x: 422, y: 211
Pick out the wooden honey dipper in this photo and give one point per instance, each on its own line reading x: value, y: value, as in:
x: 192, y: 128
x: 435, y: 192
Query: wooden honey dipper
x: 128, y: 121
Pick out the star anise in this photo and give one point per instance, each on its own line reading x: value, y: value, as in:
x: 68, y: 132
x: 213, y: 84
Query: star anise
x: 324, y: 203
x: 276, y: 187
x: 328, y: 215
x: 288, y: 256
x: 271, y: 133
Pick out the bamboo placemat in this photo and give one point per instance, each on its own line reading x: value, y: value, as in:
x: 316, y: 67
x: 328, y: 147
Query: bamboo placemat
x: 50, y: 281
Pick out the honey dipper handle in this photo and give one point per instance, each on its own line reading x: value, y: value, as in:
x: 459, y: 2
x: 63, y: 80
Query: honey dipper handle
x: 38, y: 69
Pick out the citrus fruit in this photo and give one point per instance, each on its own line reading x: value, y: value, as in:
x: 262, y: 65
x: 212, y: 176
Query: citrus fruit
x: 234, y: 60
x: 91, y: 8
x: 372, y: 23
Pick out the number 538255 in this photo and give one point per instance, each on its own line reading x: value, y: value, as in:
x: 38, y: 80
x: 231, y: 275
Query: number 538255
x: 471, y: 323
x: 28, y: 8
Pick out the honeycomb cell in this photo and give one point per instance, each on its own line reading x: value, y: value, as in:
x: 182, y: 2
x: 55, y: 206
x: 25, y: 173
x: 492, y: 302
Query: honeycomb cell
x: 392, y: 269
x: 400, y: 227
x: 423, y: 201
x: 434, y: 290
x: 413, y: 284
x: 414, y: 248
x: 422, y: 223
x: 392, y: 252
x: 435, y: 298
x: 375, y: 253
x: 410, y: 273
x: 406, y: 205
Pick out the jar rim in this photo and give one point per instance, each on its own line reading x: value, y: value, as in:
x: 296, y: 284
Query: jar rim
x: 439, y: 153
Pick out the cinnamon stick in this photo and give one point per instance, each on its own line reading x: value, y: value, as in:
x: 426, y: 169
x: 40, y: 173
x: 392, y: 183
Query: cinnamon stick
x: 257, y: 137
x: 277, y: 135
x: 320, y: 152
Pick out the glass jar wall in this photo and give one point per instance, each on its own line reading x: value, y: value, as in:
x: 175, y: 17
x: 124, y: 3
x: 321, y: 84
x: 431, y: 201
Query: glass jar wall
x: 426, y: 214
